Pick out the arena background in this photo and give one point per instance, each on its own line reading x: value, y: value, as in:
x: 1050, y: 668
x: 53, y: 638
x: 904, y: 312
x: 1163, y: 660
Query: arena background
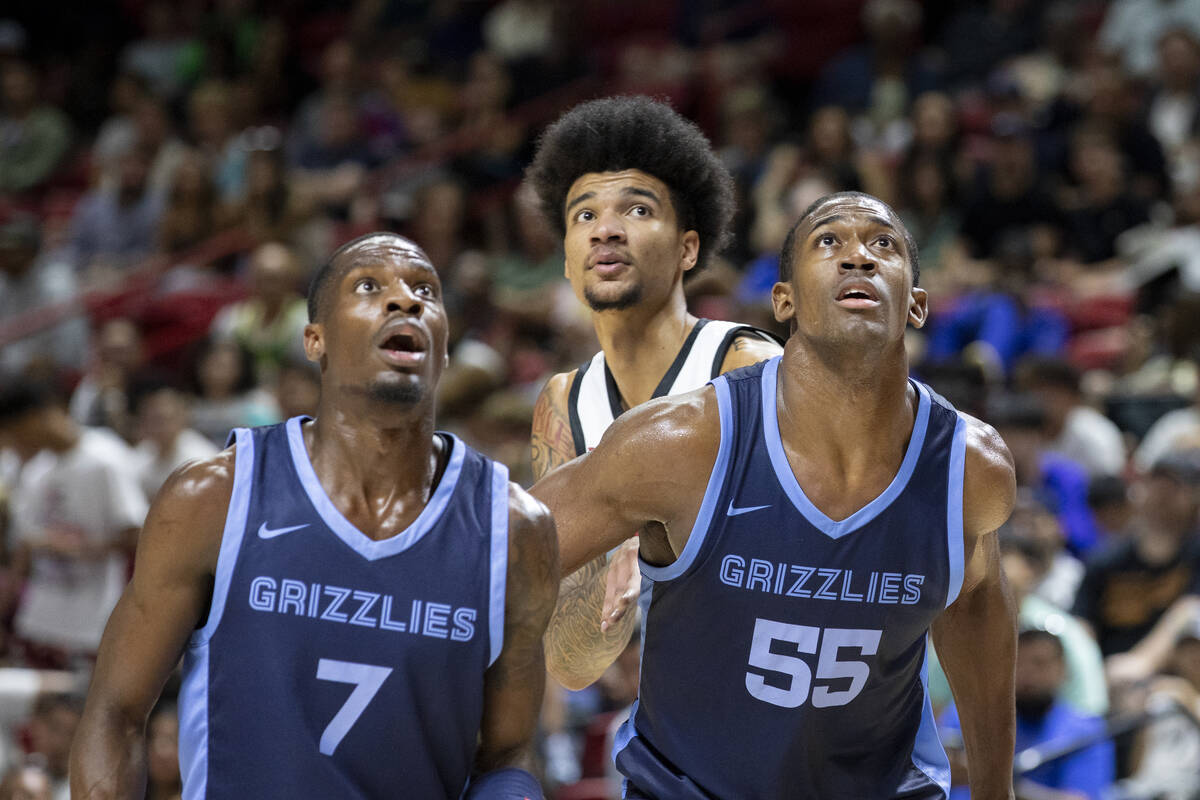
x: 171, y: 173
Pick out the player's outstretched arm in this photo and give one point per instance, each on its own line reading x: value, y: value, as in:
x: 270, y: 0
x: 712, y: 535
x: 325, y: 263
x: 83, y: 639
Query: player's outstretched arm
x: 513, y: 685
x: 578, y: 650
x: 650, y: 469
x: 145, y: 636
x: 976, y: 636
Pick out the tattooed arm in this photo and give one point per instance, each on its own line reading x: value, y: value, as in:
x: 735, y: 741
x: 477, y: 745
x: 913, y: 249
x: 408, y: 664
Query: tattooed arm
x: 747, y: 349
x: 577, y: 650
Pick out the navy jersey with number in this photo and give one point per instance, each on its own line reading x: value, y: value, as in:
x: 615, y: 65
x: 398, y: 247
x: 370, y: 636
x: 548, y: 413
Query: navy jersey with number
x: 334, y: 665
x: 784, y: 652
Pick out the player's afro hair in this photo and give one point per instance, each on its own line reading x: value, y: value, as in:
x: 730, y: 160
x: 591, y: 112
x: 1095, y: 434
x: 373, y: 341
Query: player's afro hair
x: 619, y: 133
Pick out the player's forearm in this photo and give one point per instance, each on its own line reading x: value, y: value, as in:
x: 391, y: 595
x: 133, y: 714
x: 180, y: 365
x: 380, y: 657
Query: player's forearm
x: 976, y: 643
x: 577, y: 651
x: 107, y: 757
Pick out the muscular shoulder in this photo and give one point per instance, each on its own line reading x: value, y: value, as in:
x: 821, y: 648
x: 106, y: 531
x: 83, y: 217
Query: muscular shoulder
x: 989, y: 482
x: 551, y: 441
x: 532, y: 549
x: 681, y: 425
x: 190, y: 508
x: 746, y: 349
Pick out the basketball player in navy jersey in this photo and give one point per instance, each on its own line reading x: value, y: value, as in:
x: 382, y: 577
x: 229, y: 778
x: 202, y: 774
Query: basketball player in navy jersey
x: 641, y: 200
x: 806, y: 522
x: 359, y: 601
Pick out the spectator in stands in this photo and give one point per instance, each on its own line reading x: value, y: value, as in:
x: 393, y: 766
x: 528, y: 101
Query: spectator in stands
x: 34, y: 137
x: 297, y: 389
x: 1133, y: 28
x: 1101, y: 206
x: 159, y: 55
x: 165, y: 440
x: 162, y: 753
x: 155, y: 131
x: 227, y: 395
x: 981, y: 35
x: 112, y: 228
x: 190, y: 215
x: 1131, y: 583
x: 272, y: 208
x: 925, y: 188
x: 51, y: 729
x: 119, y: 132
x: 28, y: 782
x: 1172, y: 430
x: 1173, y: 113
x: 77, y: 509
x: 213, y: 130
x: 1075, y: 429
x: 1057, y: 482
x: 270, y: 322
x: 1108, y: 498
x: 101, y: 398
x: 1043, y: 718
x: 339, y: 69
x: 29, y: 282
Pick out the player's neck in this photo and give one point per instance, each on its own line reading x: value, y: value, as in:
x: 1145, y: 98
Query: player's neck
x: 640, y: 343
x: 371, y: 451
x: 851, y: 406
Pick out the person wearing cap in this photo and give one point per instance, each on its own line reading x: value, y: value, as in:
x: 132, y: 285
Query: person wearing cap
x: 1043, y: 717
x: 28, y: 282
x: 1129, y: 586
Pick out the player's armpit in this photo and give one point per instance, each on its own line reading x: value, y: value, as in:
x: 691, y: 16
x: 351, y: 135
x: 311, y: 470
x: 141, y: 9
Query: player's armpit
x: 513, y: 685
x: 747, y: 349
x: 163, y: 603
x: 651, y: 466
x: 550, y: 440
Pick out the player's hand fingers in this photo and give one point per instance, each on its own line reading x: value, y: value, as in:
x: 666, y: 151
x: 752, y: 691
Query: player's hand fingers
x: 623, y: 585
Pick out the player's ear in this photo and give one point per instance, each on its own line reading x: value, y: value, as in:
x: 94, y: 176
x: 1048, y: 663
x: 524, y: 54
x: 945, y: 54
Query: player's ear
x: 782, y: 302
x: 689, y: 250
x: 918, y: 307
x: 314, y: 341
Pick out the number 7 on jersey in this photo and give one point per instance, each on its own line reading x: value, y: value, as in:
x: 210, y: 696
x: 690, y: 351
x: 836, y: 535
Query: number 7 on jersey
x: 366, y: 679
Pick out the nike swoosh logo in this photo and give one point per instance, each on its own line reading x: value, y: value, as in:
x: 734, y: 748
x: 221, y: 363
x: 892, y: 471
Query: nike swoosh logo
x: 735, y: 511
x: 270, y: 533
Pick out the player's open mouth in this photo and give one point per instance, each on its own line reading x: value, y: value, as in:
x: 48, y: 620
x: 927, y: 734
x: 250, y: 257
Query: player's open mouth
x: 857, y: 295
x: 404, y: 347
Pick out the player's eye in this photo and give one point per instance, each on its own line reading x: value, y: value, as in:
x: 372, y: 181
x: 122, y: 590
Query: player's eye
x: 424, y: 290
x: 366, y: 285
x: 640, y: 211
x: 827, y: 240
x: 886, y: 241
x: 584, y: 215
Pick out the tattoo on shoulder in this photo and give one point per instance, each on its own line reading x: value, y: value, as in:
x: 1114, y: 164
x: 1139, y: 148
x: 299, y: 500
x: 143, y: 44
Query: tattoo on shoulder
x: 551, y: 441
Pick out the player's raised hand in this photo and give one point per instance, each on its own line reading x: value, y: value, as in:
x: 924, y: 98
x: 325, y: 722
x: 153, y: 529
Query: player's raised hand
x: 624, y: 583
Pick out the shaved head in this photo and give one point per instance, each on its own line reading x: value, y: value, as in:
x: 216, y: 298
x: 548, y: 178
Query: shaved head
x: 368, y: 247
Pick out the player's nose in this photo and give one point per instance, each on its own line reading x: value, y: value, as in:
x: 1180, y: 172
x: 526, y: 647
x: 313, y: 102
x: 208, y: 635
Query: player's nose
x: 609, y: 227
x: 857, y: 257
x: 401, y: 297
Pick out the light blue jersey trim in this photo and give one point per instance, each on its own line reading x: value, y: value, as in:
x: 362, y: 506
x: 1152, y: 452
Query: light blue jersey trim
x: 625, y: 733
x: 954, y: 509
x: 499, y: 561
x: 928, y: 755
x: 716, y: 480
x: 787, y: 478
x: 193, y: 723
x: 231, y: 537
x: 358, y: 541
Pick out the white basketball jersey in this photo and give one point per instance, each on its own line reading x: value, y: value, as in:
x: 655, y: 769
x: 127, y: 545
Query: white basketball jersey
x: 595, y: 401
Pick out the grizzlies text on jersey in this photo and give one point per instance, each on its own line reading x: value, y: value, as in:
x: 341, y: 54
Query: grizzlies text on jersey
x: 335, y: 665
x: 784, y: 652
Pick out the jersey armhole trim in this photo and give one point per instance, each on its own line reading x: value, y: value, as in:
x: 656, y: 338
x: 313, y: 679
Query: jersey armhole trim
x: 573, y: 409
x: 499, y: 560
x: 954, y: 510
x: 716, y: 483
x: 231, y: 537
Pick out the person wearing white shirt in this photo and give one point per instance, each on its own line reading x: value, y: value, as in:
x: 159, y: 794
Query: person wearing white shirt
x: 76, y: 512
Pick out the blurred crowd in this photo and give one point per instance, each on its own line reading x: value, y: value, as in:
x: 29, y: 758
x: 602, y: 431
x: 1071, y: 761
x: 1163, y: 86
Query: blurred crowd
x: 172, y: 173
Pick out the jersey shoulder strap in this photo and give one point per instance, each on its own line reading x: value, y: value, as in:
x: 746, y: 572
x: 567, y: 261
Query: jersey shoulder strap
x: 703, y: 362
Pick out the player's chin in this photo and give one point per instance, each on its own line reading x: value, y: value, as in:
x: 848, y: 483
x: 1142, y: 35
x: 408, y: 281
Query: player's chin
x: 403, y: 388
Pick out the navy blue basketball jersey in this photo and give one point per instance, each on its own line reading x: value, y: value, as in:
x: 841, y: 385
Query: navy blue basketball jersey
x: 335, y: 665
x: 784, y: 653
